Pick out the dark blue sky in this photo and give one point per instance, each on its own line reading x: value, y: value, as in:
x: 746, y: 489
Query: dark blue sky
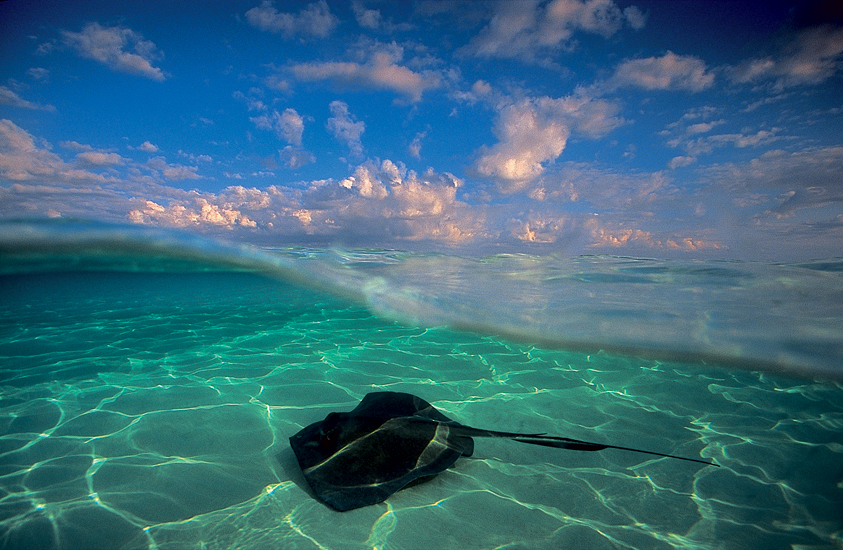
x: 646, y: 128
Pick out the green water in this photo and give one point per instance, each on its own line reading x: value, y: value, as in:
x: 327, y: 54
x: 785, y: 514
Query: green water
x: 153, y: 410
x: 149, y: 382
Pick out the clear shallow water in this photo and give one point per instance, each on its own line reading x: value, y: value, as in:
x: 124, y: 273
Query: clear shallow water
x: 146, y: 400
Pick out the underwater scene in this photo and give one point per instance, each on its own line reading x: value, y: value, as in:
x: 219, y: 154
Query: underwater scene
x: 150, y: 382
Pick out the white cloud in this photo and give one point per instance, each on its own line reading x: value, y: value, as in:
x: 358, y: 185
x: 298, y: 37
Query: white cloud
x: 635, y: 17
x: 366, y: 184
x: 604, y: 189
x: 383, y: 203
x: 99, y: 158
x: 784, y: 182
x: 389, y: 201
x: 527, y: 29
x: 39, y: 73
x: 696, y: 138
x: 314, y: 20
x: 415, y: 146
x: 381, y: 71
x: 701, y: 127
x: 366, y: 18
x: 195, y: 158
x: 108, y: 45
x: 761, y: 137
x: 22, y: 159
x: 532, y: 132
x: 199, y: 211
x: 345, y: 128
x: 8, y: 97
x: 541, y: 229
x: 578, y: 233
x: 173, y: 172
x: 680, y: 162
x: 295, y: 157
x: 288, y: 125
x: 615, y: 236
x: 696, y: 146
x: 377, y: 204
x: 76, y: 146
x: 527, y: 138
x: 373, y: 19
x: 811, y: 58
x: 668, y: 72
x: 148, y: 147
x: 252, y: 103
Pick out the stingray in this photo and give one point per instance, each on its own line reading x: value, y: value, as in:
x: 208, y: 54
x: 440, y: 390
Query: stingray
x: 392, y: 440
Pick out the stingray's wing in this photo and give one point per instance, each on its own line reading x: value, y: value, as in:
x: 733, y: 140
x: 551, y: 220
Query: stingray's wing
x: 318, y: 441
x: 389, y: 440
x: 371, y: 468
x: 390, y: 404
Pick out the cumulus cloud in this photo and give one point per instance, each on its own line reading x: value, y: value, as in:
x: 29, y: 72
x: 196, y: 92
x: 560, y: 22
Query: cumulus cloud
x: 668, y: 72
x: 607, y: 235
x: 542, y: 228
x: 527, y: 138
x: 378, y: 203
x: 148, y: 147
x: 366, y: 184
x: 534, y: 131
x: 8, y: 97
x: 812, y: 57
x: 117, y: 48
x: 345, y: 127
x: 401, y: 205
x: 382, y: 71
x: 197, y: 211
x: 288, y: 125
x: 527, y: 29
x: 314, y: 20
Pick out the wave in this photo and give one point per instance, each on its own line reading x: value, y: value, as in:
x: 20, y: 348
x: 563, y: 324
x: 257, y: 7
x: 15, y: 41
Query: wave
x: 762, y: 316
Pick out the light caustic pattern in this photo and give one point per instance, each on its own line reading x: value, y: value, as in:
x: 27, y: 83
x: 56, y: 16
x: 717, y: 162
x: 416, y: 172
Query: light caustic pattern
x: 153, y: 410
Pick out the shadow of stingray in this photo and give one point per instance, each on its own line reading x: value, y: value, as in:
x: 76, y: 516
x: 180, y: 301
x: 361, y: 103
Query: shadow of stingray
x: 292, y: 471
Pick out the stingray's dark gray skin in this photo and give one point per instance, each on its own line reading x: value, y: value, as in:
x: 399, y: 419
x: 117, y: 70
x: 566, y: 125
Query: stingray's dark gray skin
x: 390, y: 440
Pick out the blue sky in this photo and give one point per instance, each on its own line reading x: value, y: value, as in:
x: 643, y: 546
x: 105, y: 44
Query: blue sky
x: 658, y: 128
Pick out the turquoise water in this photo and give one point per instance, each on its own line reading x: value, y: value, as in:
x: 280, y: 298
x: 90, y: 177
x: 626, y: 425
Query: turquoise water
x: 150, y: 381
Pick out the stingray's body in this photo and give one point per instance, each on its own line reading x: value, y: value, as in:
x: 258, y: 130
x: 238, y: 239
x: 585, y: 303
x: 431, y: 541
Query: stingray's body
x: 390, y: 440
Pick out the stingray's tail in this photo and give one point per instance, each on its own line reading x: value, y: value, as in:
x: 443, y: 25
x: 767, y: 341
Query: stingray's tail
x: 577, y: 445
x: 558, y: 442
